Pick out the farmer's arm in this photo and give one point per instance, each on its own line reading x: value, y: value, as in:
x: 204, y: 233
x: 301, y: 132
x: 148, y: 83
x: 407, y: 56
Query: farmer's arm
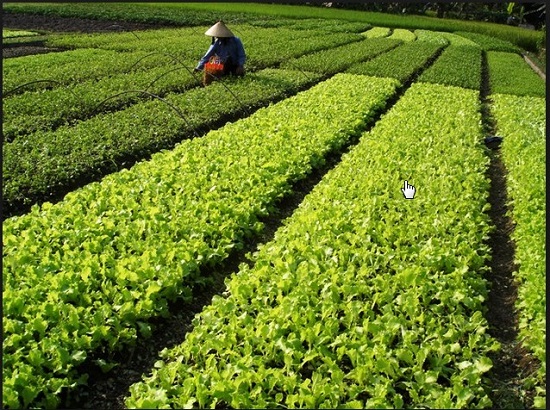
x: 211, y: 51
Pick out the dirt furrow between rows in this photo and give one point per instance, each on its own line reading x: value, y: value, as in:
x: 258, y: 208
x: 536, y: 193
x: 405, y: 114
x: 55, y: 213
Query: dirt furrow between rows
x: 511, y: 361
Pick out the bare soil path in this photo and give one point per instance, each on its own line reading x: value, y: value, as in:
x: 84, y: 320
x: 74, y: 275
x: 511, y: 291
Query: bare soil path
x: 511, y: 364
x: 52, y: 23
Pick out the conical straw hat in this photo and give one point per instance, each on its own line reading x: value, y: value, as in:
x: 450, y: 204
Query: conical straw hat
x: 219, y: 30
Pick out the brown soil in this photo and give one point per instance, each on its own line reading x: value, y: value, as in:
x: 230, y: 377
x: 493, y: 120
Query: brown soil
x: 43, y: 23
x: 57, y: 24
x: 512, y: 363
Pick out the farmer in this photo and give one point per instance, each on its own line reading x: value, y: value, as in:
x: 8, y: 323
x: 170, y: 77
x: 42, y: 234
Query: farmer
x: 227, y: 47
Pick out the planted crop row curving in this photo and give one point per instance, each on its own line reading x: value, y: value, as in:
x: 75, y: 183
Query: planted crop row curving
x: 189, y: 37
x: 400, y: 63
x: 377, y: 32
x: 329, y: 25
x: 458, y: 66
x: 8, y: 33
x: 338, y: 59
x: 274, y: 52
x: 456, y: 40
x: 44, y: 164
x: 363, y: 299
x: 89, y: 271
x: 521, y: 123
x: 490, y: 43
x: 49, y: 109
x: 403, y: 35
x: 431, y: 37
x: 510, y: 74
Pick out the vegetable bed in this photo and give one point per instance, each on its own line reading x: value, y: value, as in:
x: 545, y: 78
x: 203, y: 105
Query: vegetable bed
x: 510, y: 74
x: 400, y: 63
x: 86, y: 273
x: 521, y: 123
x: 363, y: 298
x: 42, y: 164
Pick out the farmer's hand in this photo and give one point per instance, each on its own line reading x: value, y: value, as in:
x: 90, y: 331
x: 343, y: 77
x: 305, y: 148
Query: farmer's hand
x: 239, y: 70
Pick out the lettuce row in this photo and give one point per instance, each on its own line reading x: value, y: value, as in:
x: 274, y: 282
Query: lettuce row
x: 431, y: 37
x: 87, y: 273
x: 489, y: 43
x: 271, y: 52
x: 338, y: 59
x: 377, y: 32
x: 403, y: 35
x: 456, y: 40
x: 458, y: 66
x: 192, y: 38
x: 8, y: 33
x: 69, y: 67
x: 510, y: 74
x: 400, y: 63
x: 363, y: 299
x: 521, y: 123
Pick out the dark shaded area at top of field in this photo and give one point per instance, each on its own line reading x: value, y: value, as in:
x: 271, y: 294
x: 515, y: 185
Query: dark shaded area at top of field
x: 187, y: 14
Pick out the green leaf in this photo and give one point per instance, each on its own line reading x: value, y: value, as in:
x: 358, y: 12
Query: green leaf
x: 483, y: 365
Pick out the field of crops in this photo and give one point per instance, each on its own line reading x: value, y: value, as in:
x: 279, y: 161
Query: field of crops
x: 125, y: 182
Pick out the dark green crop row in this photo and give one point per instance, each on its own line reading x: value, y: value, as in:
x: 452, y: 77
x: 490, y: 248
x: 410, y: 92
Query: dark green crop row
x: 136, y: 12
x: 364, y: 299
x: 49, y: 109
x: 510, y: 74
x: 400, y: 63
x: 459, y: 66
x: 329, y: 25
x: 521, y: 121
x: 43, y: 164
x: 88, y: 272
x: 490, y: 43
x: 340, y: 58
x: 190, y: 38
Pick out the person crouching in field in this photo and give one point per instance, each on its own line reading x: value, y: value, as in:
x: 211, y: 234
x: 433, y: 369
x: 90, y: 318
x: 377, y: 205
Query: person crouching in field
x: 225, y: 56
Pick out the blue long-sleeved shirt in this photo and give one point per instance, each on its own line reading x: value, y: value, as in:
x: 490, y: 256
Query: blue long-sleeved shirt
x: 233, y: 49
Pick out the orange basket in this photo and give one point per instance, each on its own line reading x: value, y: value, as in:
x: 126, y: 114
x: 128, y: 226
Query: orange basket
x: 212, y: 69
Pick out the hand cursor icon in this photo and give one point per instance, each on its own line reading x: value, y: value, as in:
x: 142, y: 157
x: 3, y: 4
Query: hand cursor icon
x: 408, y: 190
